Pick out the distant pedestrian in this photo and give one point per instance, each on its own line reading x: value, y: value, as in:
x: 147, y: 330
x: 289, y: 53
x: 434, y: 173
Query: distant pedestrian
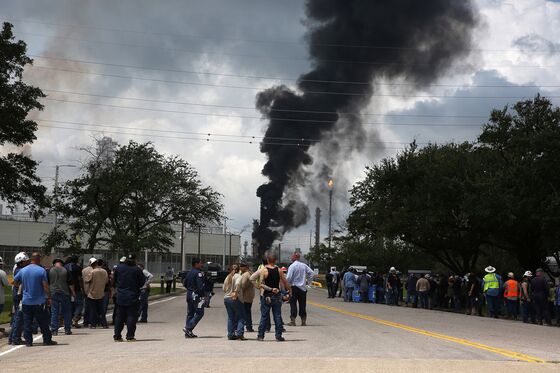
x: 511, y: 295
x: 144, y: 295
x: 271, y: 280
x: 62, y: 289
x: 169, y: 278
x: 36, y: 297
x: 393, y: 284
x: 77, y: 301
x: 423, y: 290
x: 557, y: 302
x: 349, y: 284
x: 3, y: 282
x: 87, y: 306
x: 363, y: 282
x: 492, y: 287
x: 247, y: 295
x: 194, y: 282
x: 473, y: 291
x: 299, y: 275
x: 329, y: 281
x: 128, y: 279
x: 97, y: 281
x: 540, y: 289
x: 411, y: 295
x: 16, y: 324
x: 341, y: 290
x: 526, y: 297
x: 234, y: 306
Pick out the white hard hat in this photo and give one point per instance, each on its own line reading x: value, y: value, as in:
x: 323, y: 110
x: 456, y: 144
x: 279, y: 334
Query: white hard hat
x: 1, y: 260
x: 123, y: 259
x: 21, y: 257
x: 92, y: 260
x: 528, y: 274
x: 392, y: 269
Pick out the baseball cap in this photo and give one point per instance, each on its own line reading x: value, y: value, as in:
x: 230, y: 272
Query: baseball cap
x: 131, y: 257
x: 92, y: 260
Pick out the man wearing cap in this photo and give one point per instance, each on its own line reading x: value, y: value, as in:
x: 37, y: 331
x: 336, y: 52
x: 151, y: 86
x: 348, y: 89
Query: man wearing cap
x: 541, y: 290
x: 526, y: 296
x: 96, y: 280
x: 61, y: 290
x: 77, y: 301
x: 194, y: 282
x: 247, y: 295
x: 87, y: 307
x: 36, y: 296
x: 16, y: 323
x: 491, y: 288
x: 128, y: 279
x: 511, y: 293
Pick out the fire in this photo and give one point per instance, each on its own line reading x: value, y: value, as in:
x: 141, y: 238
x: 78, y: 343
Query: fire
x: 330, y: 184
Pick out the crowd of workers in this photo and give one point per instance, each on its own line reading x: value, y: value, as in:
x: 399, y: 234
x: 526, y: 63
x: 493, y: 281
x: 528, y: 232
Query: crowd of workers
x: 56, y: 298
x: 274, y: 285
x: 534, y: 299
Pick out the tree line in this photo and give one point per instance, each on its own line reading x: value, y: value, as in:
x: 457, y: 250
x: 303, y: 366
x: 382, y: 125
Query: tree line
x: 463, y: 205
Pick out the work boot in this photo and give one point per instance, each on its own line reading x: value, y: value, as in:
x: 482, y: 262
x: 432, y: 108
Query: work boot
x: 304, y: 321
x: 292, y: 321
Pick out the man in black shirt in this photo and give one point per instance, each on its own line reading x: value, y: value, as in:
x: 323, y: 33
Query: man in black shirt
x: 127, y: 280
x: 540, y: 289
x: 194, y: 282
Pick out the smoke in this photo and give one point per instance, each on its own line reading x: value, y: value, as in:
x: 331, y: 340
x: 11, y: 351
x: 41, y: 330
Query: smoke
x: 352, y: 43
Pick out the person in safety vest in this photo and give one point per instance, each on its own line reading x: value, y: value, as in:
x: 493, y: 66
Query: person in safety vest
x: 512, y: 293
x: 492, y: 283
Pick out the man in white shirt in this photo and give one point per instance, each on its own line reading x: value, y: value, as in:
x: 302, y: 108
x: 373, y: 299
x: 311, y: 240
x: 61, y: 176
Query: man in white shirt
x: 144, y: 294
x: 299, y: 274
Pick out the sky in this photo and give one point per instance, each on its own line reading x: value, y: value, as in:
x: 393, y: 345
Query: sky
x: 171, y: 72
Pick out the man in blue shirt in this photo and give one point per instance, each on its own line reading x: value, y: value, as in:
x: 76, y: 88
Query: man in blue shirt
x: 349, y: 284
x: 36, y: 295
x: 128, y: 279
x: 194, y: 282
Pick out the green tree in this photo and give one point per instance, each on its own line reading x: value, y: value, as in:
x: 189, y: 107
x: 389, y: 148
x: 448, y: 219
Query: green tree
x: 526, y: 184
x: 128, y: 204
x: 20, y: 184
x: 433, y: 198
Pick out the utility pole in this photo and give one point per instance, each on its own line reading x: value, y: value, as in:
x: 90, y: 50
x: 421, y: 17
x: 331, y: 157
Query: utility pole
x: 182, y: 245
x: 279, y: 253
x: 225, y: 245
x: 330, y: 185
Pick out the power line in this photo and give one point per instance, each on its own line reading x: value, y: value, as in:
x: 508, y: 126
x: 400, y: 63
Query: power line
x: 303, y: 59
x: 260, y: 41
x: 207, y: 134
x: 197, y: 138
x: 248, y: 117
x: 264, y: 88
x: 210, y: 73
x: 253, y: 108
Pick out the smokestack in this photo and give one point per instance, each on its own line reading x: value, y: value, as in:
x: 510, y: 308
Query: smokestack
x: 317, y: 226
x: 352, y: 43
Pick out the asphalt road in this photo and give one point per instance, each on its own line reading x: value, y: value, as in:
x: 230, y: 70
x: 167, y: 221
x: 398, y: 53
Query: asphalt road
x: 339, y: 335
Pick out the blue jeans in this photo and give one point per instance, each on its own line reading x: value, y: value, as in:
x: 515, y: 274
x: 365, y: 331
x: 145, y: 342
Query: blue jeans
x: 126, y: 314
x: 235, y: 320
x: 528, y: 312
x: 40, y: 313
x: 61, y: 306
x: 512, y: 308
x: 276, y: 307
x: 78, y: 304
x: 96, y: 315
x: 143, y: 310
x: 424, y: 302
x: 248, y: 316
x: 393, y: 296
x: 493, y: 305
x: 16, y: 323
x: 348, y: 294
x: 194, y: 313
x: 411, y: 298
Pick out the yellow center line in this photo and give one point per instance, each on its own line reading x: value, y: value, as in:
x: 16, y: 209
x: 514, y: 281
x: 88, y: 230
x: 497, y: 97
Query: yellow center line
x: 461, y: 341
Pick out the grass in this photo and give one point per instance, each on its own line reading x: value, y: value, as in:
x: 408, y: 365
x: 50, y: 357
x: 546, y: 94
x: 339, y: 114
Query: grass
x: 5, y: 316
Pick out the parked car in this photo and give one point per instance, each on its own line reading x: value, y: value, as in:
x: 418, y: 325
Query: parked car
x: 213, y: 270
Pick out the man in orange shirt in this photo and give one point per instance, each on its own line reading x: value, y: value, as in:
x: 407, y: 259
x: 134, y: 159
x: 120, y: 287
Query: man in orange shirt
x: 511, y: 294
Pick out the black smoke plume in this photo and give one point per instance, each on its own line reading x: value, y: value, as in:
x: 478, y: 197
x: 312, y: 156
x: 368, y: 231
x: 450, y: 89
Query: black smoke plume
x: 352, y: 43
